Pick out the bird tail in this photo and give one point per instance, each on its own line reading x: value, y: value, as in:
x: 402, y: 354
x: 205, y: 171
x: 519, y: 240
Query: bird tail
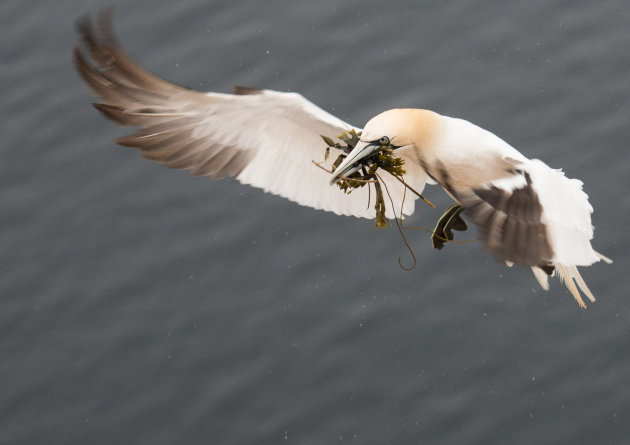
x: 567, y: 215
x: 572, y: 279
x: 570, y: 276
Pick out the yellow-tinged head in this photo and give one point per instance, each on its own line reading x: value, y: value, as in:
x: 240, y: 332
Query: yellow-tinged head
x: 403, y: 127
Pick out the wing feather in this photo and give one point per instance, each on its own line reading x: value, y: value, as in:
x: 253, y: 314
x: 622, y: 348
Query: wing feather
x: 535, y: 217
x: 262, y: 138
x: 510, y: 217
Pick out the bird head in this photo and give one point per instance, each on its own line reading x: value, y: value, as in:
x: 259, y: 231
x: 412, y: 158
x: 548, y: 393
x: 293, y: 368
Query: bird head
x: 398, y: 128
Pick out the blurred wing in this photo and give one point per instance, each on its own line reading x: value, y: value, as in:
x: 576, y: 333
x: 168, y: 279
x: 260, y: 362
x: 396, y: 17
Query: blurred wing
x: 262, y: 138
x: 509, y: 213
x: 536, y: 216
x: 539, y: 218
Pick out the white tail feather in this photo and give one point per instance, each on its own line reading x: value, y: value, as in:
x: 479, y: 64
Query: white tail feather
x: 604, y: 258
x: 566, y: 277
x: 580, y: 282
x: 542, y: 277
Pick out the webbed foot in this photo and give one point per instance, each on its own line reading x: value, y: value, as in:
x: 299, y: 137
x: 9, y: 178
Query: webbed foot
x: 449, y: 221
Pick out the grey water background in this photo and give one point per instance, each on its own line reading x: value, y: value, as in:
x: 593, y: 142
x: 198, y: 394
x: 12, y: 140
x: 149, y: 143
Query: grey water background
x: 140, y: 305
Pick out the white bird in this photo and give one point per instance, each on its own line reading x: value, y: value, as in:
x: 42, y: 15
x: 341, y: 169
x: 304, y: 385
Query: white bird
x: 529, y: 214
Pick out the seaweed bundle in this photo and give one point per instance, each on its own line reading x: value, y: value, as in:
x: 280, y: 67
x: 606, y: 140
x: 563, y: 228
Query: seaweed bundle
x: 367, y: 173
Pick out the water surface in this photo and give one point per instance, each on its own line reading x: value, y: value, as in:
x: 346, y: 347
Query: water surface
x: 140, y: 305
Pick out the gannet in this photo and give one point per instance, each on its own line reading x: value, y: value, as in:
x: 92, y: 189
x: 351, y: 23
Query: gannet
x: 528, y: 213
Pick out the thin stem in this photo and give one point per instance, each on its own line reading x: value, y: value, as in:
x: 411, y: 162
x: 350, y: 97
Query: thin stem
x: 411, y: 188
x: 399, y: 225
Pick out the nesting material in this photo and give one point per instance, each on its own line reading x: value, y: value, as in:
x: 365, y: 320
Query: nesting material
x: 368, y: 173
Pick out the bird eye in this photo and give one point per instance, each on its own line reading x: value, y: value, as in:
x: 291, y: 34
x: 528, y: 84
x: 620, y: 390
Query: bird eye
x: 384, y: 141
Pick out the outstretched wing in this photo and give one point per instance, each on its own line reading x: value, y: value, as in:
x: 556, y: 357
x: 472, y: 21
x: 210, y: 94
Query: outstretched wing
x: 263, y: 138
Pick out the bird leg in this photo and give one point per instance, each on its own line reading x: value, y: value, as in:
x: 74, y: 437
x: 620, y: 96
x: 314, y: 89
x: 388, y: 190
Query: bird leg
x: 449, y: 221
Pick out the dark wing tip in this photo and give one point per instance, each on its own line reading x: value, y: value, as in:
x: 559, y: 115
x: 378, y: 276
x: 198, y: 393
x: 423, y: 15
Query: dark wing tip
x: 114, y: 113
x: 244, y: 91
x: 106, y: 27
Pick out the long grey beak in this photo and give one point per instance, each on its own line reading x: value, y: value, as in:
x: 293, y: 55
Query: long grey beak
x: 350, y: 164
